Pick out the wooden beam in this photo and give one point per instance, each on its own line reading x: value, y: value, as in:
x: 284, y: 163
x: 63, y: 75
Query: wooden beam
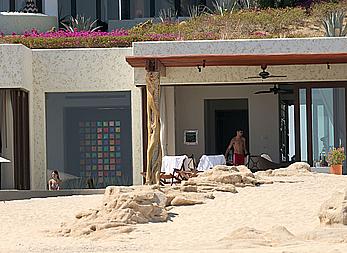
x: 155, y: 65
x: 238, y: 60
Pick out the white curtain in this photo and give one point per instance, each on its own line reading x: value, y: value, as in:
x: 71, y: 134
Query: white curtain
x: 6, y: 129
x: 163, y: 121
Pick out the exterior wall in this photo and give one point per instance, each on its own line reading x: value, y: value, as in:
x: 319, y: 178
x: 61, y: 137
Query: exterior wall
x: 19, y: 23
x: 15, y: 67
x: 262, y: 109
x: 16, y: 73
x: 81, y: 70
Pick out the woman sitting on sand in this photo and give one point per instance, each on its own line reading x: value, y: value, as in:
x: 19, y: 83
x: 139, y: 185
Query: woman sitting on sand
x: 53, y: 183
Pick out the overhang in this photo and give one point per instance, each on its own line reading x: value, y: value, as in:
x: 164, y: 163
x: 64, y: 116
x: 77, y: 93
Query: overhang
x: 238, y: 59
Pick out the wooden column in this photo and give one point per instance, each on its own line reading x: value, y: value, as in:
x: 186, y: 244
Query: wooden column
x: 154, y: 153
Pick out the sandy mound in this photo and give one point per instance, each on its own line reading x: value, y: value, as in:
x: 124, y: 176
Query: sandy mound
x: 295, y: 169
x: 334, y: 210
x: 277, y: 235
x: 224, y: 178
x: 330, y: 235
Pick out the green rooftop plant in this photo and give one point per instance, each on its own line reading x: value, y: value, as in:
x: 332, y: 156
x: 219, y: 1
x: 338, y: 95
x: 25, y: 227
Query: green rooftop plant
x: 80, y: 24
x: 333, y: 24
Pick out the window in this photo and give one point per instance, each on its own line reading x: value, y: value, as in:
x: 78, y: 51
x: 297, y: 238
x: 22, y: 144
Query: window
x: 4, y: 5
x: 109, y: 10
x: 88, y: 138
x: 16, y: 5
x: 328, y: 126
x: 64, y: 9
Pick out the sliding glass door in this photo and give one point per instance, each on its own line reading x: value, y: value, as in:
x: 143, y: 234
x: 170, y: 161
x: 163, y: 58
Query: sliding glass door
x: 321, y: 121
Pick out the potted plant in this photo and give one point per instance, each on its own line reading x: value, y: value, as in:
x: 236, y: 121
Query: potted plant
x: 336, y: 156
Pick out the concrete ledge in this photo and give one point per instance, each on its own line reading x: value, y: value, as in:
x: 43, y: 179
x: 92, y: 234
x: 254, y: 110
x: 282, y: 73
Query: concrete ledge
x: 19, y: 23
x: 7, y: 195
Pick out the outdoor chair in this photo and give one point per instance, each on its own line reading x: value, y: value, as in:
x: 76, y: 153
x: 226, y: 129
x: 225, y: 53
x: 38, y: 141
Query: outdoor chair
x: 172, y: 169
x: 175, y: 169
x: 209, y: 161
x: 263, y: 162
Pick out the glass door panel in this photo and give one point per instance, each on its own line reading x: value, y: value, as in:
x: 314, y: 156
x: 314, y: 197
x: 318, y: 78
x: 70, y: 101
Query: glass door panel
x: 303, y: 124
x: 328, y: 121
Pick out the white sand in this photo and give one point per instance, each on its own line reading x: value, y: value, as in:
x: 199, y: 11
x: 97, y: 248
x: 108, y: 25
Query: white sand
x: 200, y: 228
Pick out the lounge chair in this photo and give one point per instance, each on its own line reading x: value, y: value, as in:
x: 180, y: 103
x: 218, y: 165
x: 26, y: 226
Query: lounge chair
x: 263, y: 162
x: 172, y: 169
x: 209, y: 161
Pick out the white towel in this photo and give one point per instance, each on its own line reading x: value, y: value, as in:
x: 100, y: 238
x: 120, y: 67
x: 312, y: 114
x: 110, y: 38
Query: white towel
x: 209, y: 161
x: 169, y: 163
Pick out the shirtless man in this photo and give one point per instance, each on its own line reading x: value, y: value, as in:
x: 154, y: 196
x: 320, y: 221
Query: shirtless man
x: 239, y: 145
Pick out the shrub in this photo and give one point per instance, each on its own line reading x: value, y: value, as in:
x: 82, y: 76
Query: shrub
x: 336, y: 156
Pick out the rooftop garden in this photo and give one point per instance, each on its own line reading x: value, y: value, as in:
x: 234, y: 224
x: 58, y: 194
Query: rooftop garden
x: 224, y: 22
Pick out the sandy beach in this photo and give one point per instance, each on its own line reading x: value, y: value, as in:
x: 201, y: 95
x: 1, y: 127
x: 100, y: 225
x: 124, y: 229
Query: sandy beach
x: 291, y: 202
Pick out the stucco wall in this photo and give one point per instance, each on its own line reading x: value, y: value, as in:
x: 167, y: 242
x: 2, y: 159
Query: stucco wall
x: 262, y: 110
x: 81, y: 70
x: 15, y: 67
x: 19, y: 23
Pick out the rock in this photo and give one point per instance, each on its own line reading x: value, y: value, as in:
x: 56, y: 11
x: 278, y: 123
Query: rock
x: 334, y: 210
x: 244, y: 169
x: 184, y: 201
x: 122, y: 207
x: 189, y: 188
x: 228, y: 188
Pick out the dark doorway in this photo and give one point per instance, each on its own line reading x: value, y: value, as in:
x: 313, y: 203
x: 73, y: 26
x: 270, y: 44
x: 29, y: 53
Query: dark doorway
x: 222, y: 118
x: 227, y: 123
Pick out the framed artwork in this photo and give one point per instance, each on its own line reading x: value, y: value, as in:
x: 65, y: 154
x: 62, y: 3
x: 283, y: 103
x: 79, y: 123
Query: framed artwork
x: 190, y: 137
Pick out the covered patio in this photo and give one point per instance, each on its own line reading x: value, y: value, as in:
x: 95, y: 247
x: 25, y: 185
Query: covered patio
x: 313, y: 69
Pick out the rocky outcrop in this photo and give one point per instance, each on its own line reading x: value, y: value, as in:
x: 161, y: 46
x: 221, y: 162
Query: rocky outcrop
x: 122, y: 207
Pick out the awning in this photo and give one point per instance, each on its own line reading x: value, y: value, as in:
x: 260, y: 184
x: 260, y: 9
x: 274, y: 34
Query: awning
x: 238, y: 60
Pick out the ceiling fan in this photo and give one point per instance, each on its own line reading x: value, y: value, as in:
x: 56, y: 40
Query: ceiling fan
x: 263, y: 74
x: 275, y: 90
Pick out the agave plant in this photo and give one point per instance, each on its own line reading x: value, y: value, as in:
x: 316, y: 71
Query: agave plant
x: 167, y: 15
x: 333, y: 24
x: 222, y: 7
x: 81, y: 23
x: 197, y: 10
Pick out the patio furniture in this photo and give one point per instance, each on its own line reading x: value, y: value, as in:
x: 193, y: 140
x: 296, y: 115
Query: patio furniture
x: 209, y: 161
x: 261, y: 163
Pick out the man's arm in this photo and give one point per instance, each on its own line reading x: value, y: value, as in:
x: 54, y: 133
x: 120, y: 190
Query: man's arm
x: 228, y: 149
x: 244, y: 146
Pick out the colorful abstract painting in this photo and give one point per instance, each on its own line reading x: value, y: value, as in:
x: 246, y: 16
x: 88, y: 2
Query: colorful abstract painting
x: 100, y: 150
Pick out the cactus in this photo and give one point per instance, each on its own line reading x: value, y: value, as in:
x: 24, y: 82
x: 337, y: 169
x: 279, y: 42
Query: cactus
x: 333, y: 24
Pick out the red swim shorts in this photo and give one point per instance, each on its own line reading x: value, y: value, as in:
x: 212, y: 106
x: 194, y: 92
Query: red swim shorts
x: 239, y: 159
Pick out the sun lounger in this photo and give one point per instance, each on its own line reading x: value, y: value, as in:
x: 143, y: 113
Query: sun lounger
x: 209, y: 161
x: 263, y: 162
